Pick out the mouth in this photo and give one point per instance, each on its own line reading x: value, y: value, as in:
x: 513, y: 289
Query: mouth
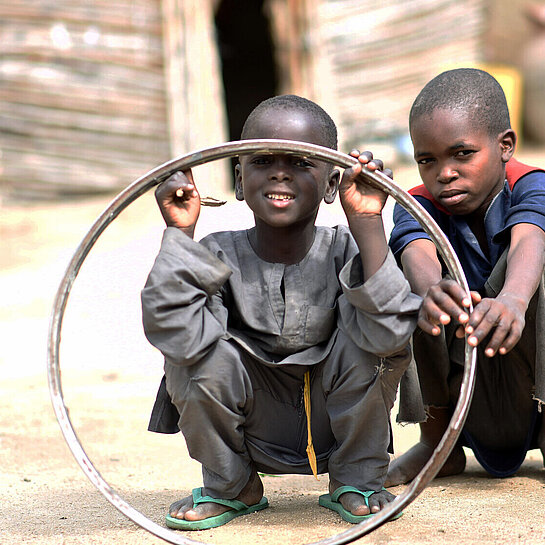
x: 452, y: 196
x: 282, y: 197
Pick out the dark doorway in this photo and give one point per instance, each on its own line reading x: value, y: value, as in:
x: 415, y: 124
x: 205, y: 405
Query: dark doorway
x: 246, y: 52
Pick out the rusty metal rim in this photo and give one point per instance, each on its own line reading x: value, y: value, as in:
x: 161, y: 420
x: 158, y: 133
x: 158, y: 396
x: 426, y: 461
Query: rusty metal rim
x: 154, y: 177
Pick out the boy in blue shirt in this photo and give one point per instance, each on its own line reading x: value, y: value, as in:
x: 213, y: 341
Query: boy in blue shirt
x: 258, y: 326
x: 492, y: 209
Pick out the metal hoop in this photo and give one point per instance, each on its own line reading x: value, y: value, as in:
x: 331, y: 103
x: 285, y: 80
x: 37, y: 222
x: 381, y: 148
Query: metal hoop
x: 230, y: 149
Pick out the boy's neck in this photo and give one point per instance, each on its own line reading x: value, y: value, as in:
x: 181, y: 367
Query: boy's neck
x: 286, y: 245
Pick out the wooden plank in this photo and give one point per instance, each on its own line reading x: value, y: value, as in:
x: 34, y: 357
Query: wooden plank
x: 196, y: 112
x: 88, y: 102
x: 95, y: 146
x: 144, y: 16
x: 82, y: 97
x: 381, y: 54
x: 23, y: 117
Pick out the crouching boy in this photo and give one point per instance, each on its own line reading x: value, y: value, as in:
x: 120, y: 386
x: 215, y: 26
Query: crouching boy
x: 283, y: 344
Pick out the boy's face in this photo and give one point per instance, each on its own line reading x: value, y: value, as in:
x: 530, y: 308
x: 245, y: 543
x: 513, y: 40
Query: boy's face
x: 461, y: 165
x: 283, y: 190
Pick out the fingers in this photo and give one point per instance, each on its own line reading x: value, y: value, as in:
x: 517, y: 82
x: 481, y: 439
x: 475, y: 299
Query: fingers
x: 501, y: 322
x: 503, y: 340
x: 444, y: 301
x: 504, y: 321
x: 363, y: 156
x: 179, y: 186
x: 351, y: 173
x: 366, y: 158
x: 179, y: 201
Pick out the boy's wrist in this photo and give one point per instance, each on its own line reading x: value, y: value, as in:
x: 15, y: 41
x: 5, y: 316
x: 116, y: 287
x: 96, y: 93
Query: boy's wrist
x: 189, y: 231
x: 366, y: 224
x: 365, y: 218
x: 516, y: 297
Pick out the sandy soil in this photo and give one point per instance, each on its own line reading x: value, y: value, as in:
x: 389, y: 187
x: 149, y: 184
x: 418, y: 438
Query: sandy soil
x: 110, y: 375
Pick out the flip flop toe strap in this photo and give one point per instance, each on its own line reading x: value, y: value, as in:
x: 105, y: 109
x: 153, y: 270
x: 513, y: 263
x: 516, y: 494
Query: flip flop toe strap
x: 199, y: 498
x: 343, y: 489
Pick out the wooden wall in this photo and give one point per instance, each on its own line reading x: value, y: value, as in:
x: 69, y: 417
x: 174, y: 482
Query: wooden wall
x: 94, y: 94
x: 82, y: 95
x: 380, y: 54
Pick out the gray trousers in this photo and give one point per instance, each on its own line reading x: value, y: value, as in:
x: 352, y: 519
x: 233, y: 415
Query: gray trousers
x: 239, y: 415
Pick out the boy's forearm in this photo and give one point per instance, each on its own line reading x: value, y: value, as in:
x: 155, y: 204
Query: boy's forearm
x: 421, y: 265
x: 368, y: 232
x: 525, y: 262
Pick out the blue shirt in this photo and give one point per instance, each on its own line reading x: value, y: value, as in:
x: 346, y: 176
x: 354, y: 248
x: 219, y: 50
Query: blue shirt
x: 525, y: 203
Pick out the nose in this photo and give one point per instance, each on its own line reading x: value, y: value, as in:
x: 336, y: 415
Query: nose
x: 280, y: 170
x: 446, y: 173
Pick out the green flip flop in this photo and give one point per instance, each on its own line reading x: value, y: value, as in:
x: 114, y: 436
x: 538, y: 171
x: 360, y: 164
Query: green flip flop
x: 238, y: 509
x: 332, y: 502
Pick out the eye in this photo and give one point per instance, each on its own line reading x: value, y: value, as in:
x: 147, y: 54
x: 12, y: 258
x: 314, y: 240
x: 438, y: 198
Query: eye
x: 464, y: 153
x: 424, y: 161
x: 302, y: 162
x: 261, y: 159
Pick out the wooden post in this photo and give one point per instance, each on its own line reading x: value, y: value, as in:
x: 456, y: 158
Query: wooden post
x: 196, y: 106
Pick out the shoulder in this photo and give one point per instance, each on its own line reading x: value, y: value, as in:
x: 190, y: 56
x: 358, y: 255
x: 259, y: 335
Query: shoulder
x: 515, y: 171
x: 526, y: 198
x: 528, y: 184
x: 334, y: 244
x: 338, y: 236
x: 425, y: 198
x: 220, y: 238
x: 227, y: 245
x: 332, y: 234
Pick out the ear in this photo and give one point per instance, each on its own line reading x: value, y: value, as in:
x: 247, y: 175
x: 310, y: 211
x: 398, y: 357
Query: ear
x: 332, y: 186
x: 507, y: 140
x: 239, y: 191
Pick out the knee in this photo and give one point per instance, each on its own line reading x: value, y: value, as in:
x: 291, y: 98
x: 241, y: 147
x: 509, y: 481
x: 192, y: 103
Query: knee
x: 348, y: 363
x: 398, y: 362
x: 365, y: 370
x: 393, y: 367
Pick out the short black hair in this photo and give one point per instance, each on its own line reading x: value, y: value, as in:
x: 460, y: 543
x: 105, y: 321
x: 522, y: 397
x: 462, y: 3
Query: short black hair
x: 469, y: 89
x: 295, y: 102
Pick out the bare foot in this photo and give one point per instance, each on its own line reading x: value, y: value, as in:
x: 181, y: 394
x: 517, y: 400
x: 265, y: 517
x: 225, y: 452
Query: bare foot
x: 183, y: 509
x: 408, y: 466
x: 355, y: 503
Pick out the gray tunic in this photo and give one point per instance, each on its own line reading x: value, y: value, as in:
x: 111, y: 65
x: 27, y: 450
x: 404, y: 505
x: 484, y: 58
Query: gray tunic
x: 198, y: 293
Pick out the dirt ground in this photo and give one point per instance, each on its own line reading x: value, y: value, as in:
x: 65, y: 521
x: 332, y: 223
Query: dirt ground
x: 110, y: 375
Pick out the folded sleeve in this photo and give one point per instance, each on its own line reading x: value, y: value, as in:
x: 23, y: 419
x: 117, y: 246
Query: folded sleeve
x: 379, y: 315
x: 182, y: 308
